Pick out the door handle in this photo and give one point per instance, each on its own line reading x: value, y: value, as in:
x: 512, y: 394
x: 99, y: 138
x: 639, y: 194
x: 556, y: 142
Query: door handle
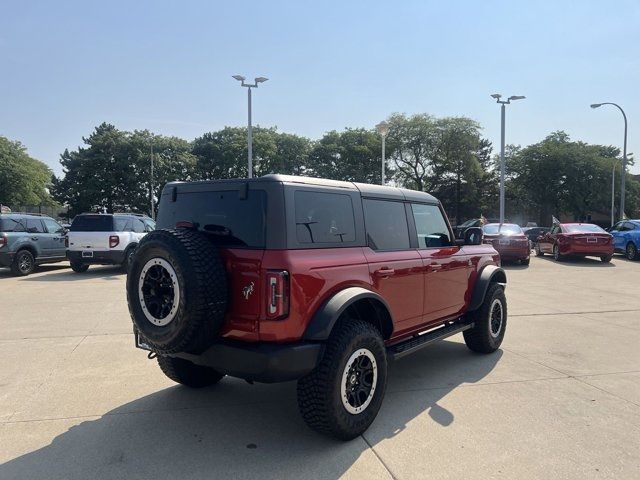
x: 384, y: 272
x: 34, y: 238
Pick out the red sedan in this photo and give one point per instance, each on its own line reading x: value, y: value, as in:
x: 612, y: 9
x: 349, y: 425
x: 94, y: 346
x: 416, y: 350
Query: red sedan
x: 576, y: 239
x: 509, y: 240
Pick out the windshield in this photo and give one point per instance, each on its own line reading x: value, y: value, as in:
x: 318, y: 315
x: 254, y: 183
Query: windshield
x: 504, y: 229
x: 583, y: 228
x: 92, y: 223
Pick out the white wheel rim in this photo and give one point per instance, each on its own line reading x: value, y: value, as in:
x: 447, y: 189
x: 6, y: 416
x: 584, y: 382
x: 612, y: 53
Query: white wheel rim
x: 350, y: 379
x: 496, y: 318
x: 150, y: 310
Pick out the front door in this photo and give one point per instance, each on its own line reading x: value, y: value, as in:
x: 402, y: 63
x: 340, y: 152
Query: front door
x: 396, y: 269
x: 55, y: 238
x: 446, y: 266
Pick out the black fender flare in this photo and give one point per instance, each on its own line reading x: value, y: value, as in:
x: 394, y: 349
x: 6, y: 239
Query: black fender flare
x: 328, y: 314
x: 489, y: 274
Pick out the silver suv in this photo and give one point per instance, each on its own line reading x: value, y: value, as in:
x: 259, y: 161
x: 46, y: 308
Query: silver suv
x: 27, y: 240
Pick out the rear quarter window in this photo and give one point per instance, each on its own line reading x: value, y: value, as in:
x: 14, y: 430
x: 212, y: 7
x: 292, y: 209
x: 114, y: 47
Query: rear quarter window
x: 11, y: 225
x: 324, y: 218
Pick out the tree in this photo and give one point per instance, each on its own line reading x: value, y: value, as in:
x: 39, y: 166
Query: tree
x: 353, y: 155
x: 23, y: 179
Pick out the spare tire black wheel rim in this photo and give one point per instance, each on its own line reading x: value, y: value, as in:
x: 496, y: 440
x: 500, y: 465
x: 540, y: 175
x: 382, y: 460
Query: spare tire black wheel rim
x: 359, y: 381
x: 159, y: 292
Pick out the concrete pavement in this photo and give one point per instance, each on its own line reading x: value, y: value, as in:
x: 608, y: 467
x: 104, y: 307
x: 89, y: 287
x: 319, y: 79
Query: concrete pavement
x: 561, y: 399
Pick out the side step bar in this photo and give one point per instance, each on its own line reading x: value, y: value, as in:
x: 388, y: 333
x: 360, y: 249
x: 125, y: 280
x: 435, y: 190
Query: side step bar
x: 414, y: 344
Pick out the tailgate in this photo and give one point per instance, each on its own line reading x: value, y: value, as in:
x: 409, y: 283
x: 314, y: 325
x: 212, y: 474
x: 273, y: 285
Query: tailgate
x: 88, y: 240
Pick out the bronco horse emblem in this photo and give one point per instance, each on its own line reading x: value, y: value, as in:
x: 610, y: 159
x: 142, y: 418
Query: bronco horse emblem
x: 247, y: 291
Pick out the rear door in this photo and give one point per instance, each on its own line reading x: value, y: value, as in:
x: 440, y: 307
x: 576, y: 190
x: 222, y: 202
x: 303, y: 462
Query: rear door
x: 38, y: 237
x: 55, y: 235
x: 446, y: 266
x: 395, y: 266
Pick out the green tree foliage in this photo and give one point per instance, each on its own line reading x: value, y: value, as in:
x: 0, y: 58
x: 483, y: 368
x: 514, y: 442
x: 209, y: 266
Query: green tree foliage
x: 558, y: 175
x: 113, y: 170
x: 353, y: 155
x: 23, y: 179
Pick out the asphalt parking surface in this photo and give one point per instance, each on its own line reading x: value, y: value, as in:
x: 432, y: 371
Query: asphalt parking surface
x: 561, y: 399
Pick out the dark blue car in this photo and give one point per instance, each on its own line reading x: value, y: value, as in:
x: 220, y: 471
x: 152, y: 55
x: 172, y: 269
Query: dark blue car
x: 626, y: 238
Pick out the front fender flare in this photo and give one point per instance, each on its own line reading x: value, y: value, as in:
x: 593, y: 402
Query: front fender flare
x: 489, y: 274
x: 328, y: 314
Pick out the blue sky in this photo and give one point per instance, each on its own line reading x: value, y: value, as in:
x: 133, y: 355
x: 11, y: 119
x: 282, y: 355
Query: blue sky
x: 167, y: 66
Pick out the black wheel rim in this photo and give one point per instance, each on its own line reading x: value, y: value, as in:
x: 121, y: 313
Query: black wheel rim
x: 495, y: 318
x: 359, y: 381
x: 25, y: 264
x: 158, y: 292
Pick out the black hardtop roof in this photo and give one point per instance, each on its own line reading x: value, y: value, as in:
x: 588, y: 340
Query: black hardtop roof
x: 366, y: 189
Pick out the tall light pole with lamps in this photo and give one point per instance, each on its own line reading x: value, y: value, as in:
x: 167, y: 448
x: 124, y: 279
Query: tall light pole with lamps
x: 249, y: 86
x: 624, y: 163
x: 502, y: 103
x: 383, y: 130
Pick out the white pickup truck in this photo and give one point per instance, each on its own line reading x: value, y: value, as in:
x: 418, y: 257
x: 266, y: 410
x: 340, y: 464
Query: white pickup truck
x: 105, y: 239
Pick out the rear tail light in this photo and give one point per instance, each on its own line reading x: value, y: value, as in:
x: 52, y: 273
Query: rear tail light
x: 114, y: 240
x: 3, y: 241
x: 277, y: 294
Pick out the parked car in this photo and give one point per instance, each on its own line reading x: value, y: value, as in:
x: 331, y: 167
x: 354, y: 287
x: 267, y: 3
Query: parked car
x: 105, y: 239
x: 459, y: 230
x: 626, y: 238
x: 509, y: 240
x: 284, y: 278
x: 533, y: 233
x: 576, y: 239
x: 28, y: 240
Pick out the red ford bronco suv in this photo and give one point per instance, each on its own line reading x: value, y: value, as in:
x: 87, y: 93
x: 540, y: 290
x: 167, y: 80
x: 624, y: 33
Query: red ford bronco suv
x: 290, y: 278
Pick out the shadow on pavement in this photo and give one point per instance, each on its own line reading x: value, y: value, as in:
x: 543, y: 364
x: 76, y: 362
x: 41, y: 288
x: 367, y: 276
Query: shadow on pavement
x: 183, y: 433
x: 6, y: 272
x: 103, y: 272
x: 579, y: 262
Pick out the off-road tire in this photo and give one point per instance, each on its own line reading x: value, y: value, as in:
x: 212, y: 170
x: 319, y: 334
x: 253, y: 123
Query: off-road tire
x: 319, y: 392
x: 201, y: 281
x: 188, y: 373
x: 23, y: 263
x: 606, y: 258
x: 79, y: 267
x: 479, y: 338
x: 631, y: 251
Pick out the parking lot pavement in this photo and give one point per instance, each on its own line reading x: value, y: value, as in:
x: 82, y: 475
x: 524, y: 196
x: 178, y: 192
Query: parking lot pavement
x: 561, y: 399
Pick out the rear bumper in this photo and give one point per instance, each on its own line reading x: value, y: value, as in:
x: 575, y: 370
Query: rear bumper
x: 513, y: 252
x: 587, y: 250
x: 260, y: 362
x: 6, y: 258
x: 100, y: 257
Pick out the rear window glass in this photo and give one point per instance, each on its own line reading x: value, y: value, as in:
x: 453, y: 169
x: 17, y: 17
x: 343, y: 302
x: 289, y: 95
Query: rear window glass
x: 11, y: 225
x: 587, y: 228
x: 324, y: 217
x: 92, y: 223
x: 504, y: 229
x: 226, y: 218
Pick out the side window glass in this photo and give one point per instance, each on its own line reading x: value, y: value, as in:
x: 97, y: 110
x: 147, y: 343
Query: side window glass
x: 52, y: 225
x: 324, y: 217
x: 386, y: 225
x: 121, y: 224
x: 34, y: 225
x: 628, y: 226
x: 138, y: 226
x: 431, y: 226
x: 617, y: 226
x: 149, y: 225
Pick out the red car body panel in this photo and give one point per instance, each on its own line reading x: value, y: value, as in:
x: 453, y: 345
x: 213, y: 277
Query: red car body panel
x: 577, y: 243
x: 423, y: 287
x: 510, y: 247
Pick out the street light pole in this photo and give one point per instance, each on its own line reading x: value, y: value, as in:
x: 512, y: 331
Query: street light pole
x: 383, y: 129
x: 249, y: 86
x: 624, y: 156
x: 502, y: 103
x: 613, y: 193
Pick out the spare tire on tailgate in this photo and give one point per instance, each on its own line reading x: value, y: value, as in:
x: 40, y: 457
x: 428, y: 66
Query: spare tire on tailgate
x: 177, y: 291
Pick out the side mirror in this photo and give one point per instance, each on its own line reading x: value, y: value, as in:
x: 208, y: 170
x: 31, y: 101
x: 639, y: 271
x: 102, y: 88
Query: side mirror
x: 473, y: 236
